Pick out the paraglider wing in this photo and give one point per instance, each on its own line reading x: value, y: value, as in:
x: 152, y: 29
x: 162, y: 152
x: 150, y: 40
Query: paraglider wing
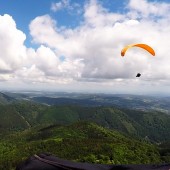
x: 144, y: 46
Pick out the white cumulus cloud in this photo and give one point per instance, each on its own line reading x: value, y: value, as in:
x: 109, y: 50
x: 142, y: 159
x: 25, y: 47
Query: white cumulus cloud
x: 147, y: 9
x: 99, y: 40
x: 12, y: 49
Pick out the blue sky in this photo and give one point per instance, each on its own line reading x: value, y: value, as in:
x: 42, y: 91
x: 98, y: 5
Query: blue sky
x: 75, y: 45
x: 25, y: 11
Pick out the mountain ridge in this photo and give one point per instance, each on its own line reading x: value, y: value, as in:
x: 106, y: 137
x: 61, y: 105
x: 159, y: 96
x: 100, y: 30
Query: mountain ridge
x: 25, y: 114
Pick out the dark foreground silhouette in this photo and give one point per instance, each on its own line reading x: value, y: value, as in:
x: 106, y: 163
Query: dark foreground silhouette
x: 50, y: 162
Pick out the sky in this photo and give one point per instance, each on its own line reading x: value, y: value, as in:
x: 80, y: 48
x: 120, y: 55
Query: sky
x: 75, y: 46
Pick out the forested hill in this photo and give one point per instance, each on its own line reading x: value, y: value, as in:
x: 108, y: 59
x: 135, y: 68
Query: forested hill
x: 82, y: 142
x: 153, y: 126
x: 5, y: 99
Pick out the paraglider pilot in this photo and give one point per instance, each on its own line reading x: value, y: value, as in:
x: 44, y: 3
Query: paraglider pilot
x: 138, y: 75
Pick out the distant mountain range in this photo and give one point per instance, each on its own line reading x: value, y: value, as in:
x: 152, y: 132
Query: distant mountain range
x: 136, y: 102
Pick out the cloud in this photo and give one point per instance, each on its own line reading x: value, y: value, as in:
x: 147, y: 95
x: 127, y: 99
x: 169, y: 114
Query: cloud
x: 57, y: 6
x: 66, y: 4
x: 92, y: 49
x: 43, y: 27
x: 149, y: 9
x: 12, y: 49
x: 98, y: 41
x: 43, y: 64
x: 95, y: 15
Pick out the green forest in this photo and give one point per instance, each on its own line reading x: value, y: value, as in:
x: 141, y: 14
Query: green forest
x: 106, y: 135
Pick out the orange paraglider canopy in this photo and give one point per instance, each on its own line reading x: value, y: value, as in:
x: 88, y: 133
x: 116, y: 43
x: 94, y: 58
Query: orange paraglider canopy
x: 144, y: 46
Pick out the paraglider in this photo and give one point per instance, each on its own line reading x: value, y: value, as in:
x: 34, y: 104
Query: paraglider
x: 138, y: 75
x: 144, y: 46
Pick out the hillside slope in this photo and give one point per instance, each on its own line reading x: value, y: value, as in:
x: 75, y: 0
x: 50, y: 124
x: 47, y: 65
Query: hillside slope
x: 153, y: 126
x: 82, y: 141
x: 5, y: 99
